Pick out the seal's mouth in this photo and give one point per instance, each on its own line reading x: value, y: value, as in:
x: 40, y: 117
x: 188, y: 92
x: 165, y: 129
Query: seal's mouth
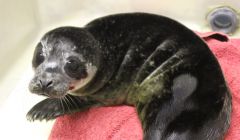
x: 61, y: 93
x: 54, y: 94
x: 71, y: 87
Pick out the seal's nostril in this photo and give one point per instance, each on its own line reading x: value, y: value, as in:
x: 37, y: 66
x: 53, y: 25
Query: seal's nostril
x: 49, y: 84
x: 45, y: 83
x: 40, y: 82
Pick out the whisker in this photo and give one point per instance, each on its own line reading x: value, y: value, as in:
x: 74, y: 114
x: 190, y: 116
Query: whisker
x: 68, y: 108
x: 68, y: 101
x: 60, y: 99
x: 71, y: 101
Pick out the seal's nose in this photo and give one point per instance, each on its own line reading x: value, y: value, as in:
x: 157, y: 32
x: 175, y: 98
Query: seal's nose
x: 45, y: 84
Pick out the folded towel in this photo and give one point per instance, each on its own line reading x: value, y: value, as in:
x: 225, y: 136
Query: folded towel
x: 122, y: 123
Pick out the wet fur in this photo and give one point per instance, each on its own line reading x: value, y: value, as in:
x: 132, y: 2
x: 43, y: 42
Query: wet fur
x: 145, y: 61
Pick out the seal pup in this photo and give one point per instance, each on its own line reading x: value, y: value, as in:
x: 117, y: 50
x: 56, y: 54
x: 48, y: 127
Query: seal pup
x: 148, y: 61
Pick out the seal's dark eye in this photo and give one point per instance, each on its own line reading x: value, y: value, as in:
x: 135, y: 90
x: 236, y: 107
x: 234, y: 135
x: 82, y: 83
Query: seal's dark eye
x: 75, y: 68
x: 38, y: 57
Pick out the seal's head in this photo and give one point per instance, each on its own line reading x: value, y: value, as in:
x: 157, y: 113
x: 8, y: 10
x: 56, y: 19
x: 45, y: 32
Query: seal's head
x: 66, y: 59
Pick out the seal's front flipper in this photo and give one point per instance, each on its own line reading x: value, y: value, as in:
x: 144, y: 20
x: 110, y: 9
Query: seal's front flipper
x: 47, y: 109
x: 51, y: 108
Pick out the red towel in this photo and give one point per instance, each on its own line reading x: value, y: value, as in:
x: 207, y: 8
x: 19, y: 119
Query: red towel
x: 121, y: 123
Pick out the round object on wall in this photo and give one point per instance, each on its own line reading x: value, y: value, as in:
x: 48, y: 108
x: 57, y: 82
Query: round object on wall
x: 223, y: 19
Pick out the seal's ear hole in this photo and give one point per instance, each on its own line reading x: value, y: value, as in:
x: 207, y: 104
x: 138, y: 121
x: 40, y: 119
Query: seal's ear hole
x: 218, y: 37
x: 38, y: 57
